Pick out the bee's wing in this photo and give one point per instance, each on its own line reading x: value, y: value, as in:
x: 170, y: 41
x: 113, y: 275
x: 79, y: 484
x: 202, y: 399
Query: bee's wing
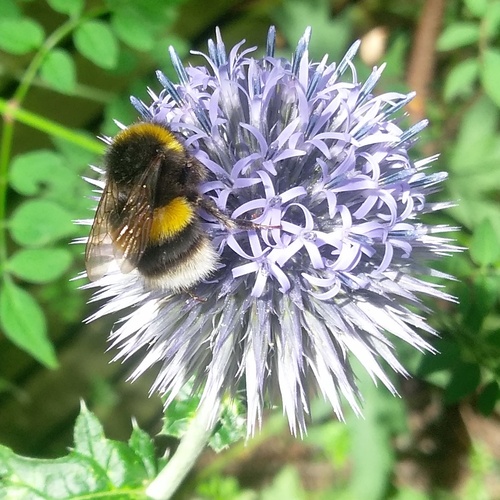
x: 126, y: 241
x: 99, y: 252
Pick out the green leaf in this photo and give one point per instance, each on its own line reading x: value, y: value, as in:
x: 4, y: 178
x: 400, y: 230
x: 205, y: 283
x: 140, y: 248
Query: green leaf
x: 231, y: 427
x: 461, y: 79
x: 23, y: 322
x: 48, y: 174
x: 479, y: 299
x: 40, y: 222
x: 117, y: 460
x: 37, y: 171
x: 289, y: 18
x: 477, y: 131
x: 476, y: 7
x: 179, y: 414
x: 447, y: 357
x: 95, y: 41
x: 484, y: 245
x: 490, y: 74
x: 286, y: 484
x: 144, y: 448
x: 465, y: 379
x: 58, y: 70
x: 20, y: 35
x: 9, y: 8
x: 75, y: 157
x: 96, y: 468
x: 372, y: 455
x: 488, y: 398
x: 458, y: 35
x: 132, y: 29
x: 70, y: 7
x: 491, y: 20
x: 40, y: 265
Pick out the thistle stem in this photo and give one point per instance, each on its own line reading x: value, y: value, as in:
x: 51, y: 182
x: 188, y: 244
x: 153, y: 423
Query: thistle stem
x: 190, y: 447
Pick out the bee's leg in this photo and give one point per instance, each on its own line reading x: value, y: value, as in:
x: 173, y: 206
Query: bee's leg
x: 209, y: 206
x: 195, y: 297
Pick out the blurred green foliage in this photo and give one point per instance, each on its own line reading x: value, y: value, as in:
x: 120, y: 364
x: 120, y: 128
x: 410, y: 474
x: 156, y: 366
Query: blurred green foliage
x: 67, y: 68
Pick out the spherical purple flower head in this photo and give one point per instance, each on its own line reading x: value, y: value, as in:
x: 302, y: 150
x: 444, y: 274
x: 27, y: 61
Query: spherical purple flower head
x: 333, y: 265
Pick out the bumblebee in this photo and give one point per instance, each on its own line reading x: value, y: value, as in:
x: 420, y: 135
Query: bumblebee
x: 147, y: 218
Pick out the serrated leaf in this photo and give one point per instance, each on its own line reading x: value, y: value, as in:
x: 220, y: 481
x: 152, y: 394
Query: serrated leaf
x: 58, y: 70
x: 131, y: 29
x: 143, y: 446
x: 20, y: 35
x: 464, y: 381
x: 477, y: 7
x: 95, y: 41
x: 23, y: 322
x: 488, y: 398
x: 121, y: 463
x: 88, y: 431
x: 69, y: 7
x: 484, y: 245
x: 178, y: 415
x: 36, y: 479
x: 39, y: 222
x: 461, y: 79
x: 39, y: 265
x: 230, y: 428
x: 490, y: 74
x: 80, y: 474
x: 458, y: 35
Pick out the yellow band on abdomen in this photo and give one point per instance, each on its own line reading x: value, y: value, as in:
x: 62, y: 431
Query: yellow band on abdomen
x: 171, y: 219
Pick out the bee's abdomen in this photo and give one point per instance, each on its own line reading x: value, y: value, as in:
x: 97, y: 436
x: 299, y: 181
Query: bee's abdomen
x: 180, y: 262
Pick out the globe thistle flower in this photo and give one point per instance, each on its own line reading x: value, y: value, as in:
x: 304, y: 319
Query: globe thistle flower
x: 333, y: 265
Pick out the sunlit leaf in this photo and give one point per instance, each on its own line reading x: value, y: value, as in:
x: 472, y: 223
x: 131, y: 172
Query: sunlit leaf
x: 70, y: 7
x: 96, y: 468
x: 477, y: 7
x: 490, y: 74
x: 95, y: 41
x: 20, y: 35
x: 58, y: 70
x: 40, y: 222
x: 39, y: 265
x: 458, y: 34
x: 23, y: 322
x: 461, y: 79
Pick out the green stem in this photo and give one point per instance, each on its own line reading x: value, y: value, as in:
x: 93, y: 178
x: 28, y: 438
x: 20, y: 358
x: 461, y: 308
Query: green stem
x: 52, y: 128
x: 190, y: 447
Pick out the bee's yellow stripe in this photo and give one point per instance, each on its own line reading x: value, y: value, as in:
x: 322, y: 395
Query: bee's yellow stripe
x: 171, y: 219
x: 163, y: 135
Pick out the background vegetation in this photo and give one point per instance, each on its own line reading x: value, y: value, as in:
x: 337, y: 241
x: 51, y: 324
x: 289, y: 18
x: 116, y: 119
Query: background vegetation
x: 67, y: 69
